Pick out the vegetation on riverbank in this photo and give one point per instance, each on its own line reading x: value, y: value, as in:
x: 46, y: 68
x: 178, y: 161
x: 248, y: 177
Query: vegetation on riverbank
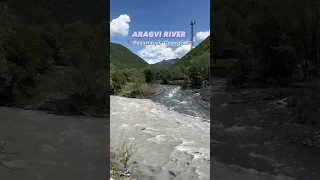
x: 263, y: 44
x: 55, y: 60
x: 192, y: 71
x: 270, y: 44
x: 132, y: 82
x: 121, y: 157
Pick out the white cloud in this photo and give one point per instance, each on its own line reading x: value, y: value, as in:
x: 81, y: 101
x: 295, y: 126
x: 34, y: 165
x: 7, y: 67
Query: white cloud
x: 156, y: 53
x: 120, y: 25
x: 202, y: 35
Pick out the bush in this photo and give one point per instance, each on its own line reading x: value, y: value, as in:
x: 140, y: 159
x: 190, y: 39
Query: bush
x: 198, y: 72
x: 23, y: 56
x: 139, y: 90
x: 118, y: 80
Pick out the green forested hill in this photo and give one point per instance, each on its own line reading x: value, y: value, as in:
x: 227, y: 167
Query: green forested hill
x: 59, y: 11
x: 122, y: 57
x: 40, y: 37
x: 203, y: 47
x: 270, y: 36
x: 192, y: 71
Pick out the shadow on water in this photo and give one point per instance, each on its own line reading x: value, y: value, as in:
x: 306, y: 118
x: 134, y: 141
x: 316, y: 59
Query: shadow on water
x: 246, y: 136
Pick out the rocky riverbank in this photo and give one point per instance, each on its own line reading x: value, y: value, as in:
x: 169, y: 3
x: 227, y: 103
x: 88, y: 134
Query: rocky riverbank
x: 297, y: 109
x: 155, y: 89
x: 66, y: 105
x: 258, y: 129
x: 204, y: 96
x: 298, y: 100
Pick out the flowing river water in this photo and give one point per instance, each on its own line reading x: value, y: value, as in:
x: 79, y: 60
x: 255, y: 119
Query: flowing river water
x: 248, y: 144
x: 51, y: 147
x: 172, y: 133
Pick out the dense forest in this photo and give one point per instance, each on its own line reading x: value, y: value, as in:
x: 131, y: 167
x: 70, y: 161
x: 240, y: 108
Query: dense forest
x: 122, y: 57
x: 269, y: 39
x: 53, y: 50
x: 130, y: 74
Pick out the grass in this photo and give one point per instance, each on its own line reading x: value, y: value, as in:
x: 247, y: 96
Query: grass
x: 124, y: 149
x: 116, y: 172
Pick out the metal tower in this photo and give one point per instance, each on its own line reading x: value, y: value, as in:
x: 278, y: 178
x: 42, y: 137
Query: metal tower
x: 192, y: 23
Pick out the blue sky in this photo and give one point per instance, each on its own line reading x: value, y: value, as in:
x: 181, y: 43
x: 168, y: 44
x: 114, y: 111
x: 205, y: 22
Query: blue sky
x: 166, y: 15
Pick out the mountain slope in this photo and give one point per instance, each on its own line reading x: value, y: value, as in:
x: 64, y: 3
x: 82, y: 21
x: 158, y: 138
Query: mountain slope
x: 122, y: 57
x: 203, y: 47
x: 166, y: 63
x: 59, y: 11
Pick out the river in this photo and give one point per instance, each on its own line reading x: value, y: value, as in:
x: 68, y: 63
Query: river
x: 53, y: 147
x: 246, y: 139
x: 172, y: 133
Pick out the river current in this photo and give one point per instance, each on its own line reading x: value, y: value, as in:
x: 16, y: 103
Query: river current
x: 172, y: 132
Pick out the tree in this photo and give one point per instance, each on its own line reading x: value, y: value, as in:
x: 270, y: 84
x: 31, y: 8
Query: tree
x: 199, y: 71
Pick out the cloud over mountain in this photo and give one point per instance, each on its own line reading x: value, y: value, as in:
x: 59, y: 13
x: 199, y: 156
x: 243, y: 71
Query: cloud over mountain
x: 120, y: 25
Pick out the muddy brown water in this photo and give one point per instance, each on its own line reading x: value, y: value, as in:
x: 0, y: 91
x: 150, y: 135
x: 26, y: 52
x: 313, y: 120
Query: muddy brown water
x: 247, y: 137
x: 245, y: 143
x: 53, y: 147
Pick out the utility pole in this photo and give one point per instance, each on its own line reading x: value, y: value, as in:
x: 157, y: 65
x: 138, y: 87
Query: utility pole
x: 192, y: 23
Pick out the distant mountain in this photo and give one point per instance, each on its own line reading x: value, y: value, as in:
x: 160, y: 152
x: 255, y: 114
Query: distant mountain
x: 122, y: 57
x: 166, y: 63
x: 203, y: 47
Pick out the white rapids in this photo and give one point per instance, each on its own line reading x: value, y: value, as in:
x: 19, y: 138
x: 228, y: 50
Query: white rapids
x: 169, y: 144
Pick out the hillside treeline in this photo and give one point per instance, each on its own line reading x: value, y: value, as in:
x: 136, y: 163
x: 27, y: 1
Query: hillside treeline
x: 276, y: 39
x: 47, y: 53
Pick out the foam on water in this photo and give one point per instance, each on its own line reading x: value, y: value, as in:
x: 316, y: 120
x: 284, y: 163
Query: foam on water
x: 163, y: 135
x: 182, y: 101
x: 173, y: 92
